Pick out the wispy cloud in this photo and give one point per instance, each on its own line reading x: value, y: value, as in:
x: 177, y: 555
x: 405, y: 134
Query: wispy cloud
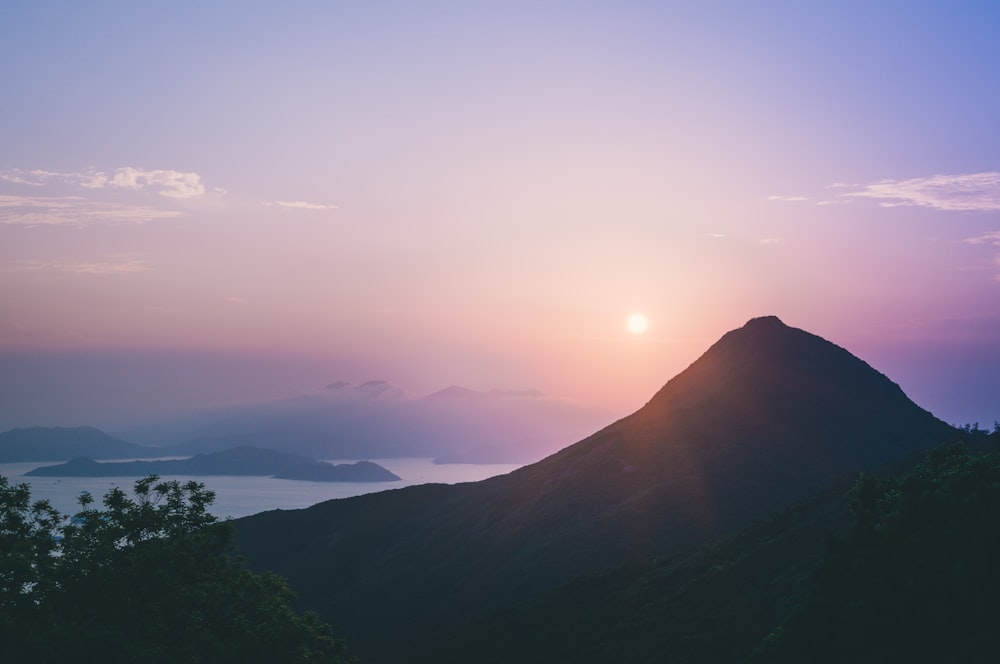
x: 74, y: 211
x: 169, y: 183
x: 777, y: 197
x: 973, y: 191
x: 120, y: 265
x: 299, y: 205
x: 35, y: 178
x: 991, y: 239
x: 173, y: 184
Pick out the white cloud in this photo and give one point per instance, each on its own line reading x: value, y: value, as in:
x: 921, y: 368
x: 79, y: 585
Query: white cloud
x: 92, y: 180
x: 122, y: 265
x: 73, y: 211
x: 777, y: 197
x: 299, y: 205
x: 34, y: 178
x: 972, y: 191
x: 992, y: 239
x: 986, y: 238
x: 170, y: 183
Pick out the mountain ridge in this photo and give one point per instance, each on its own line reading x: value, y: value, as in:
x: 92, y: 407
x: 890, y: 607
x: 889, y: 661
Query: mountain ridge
x: 62, y: 443
x: 375, y: 420
x: 247, y: 461
x: 768, y: 414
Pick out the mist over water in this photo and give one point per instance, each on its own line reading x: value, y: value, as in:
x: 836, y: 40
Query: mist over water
x: 238, y: 496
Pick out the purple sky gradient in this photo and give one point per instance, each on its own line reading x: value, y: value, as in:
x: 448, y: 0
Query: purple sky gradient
x: 441, y: 193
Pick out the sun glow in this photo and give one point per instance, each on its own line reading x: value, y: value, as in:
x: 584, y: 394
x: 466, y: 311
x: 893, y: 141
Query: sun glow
x: 637, y: 323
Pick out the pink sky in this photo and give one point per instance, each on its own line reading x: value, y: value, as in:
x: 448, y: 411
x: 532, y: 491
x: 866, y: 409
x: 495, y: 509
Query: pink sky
x: 436, y: 193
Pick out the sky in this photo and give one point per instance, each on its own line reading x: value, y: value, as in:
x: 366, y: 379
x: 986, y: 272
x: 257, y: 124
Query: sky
x: 209, y: 202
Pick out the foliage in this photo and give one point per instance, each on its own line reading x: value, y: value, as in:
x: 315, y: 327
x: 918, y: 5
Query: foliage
x: 145, y: 578
x: 706, y: 605
x: 917, y: 577
x: 908, y: 575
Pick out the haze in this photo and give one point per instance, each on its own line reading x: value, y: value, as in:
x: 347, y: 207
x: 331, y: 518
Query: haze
x: 208, y: 203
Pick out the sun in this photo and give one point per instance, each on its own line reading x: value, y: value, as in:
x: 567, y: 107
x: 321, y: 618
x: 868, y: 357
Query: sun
x: 637, y: 323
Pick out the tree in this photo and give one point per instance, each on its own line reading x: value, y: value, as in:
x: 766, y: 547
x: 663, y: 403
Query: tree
x: 147, y: 578
x: 916, y: 579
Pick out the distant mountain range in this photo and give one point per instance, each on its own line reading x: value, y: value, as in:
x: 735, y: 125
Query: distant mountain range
x: 62, y: 443
x: 371, y: 420
x: 237, y: 461
x: 377, y: 420
x: 768, y: 415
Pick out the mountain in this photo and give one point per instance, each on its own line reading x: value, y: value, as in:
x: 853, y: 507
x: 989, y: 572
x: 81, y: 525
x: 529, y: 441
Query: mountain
x: 62, y: 443
x: 320, y: 471
x: 459, y: 392
x: 768, y: 414
x: 713, y: 603
x: 372, y: 389
x: 377, y: 420
x: 237, y: 461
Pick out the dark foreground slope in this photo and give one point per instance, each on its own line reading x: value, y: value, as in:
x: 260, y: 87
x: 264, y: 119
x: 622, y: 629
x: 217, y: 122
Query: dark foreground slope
x: 767, y: 415
x: 803, y: 585
x: 715, y: 603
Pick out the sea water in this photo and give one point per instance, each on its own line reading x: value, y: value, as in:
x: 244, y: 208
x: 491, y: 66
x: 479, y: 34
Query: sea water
x: 237, y: 496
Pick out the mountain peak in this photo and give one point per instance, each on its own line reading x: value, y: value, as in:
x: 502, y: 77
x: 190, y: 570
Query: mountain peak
x: 455, y: 392
x: 780, y: 370
x: 764, y: 322
x: 372, y: 389
x: 795, y: 408
x: 458, y: 392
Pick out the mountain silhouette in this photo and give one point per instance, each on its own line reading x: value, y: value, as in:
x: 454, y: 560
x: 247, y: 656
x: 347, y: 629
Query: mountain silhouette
x: 64, y: 443
x: 768, y: 414
x: 377, y: 420
x: 235, y: 461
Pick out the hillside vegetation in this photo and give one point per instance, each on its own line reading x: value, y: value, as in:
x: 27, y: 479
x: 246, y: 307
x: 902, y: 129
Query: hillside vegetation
x: 895, y: 567
x: 916, y: 577
x: 146, y: 579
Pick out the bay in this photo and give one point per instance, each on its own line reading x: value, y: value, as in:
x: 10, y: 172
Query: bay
x: 238, y: 496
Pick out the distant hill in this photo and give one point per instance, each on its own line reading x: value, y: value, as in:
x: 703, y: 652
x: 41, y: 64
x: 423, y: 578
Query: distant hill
x: 62, y: 443
x: 237, y: 461
x: 377, y: 420
x: 768, y: 414
x: 321, y: 471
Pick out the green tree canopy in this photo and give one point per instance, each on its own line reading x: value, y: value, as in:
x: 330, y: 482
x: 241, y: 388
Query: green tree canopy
x: 917, y: 577
x: 144, y: 578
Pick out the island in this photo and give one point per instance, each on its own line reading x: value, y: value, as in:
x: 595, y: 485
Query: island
x: 244, y: 460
